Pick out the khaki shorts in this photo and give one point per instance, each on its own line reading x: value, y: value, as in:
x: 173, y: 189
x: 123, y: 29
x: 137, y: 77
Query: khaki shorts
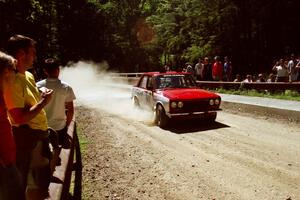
x: 39, y: 169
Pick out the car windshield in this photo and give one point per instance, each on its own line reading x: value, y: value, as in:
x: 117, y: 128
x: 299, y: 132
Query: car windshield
x: 175, y: 81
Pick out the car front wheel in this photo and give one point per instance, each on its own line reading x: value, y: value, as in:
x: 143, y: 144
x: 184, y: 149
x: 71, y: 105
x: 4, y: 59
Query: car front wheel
x: 161, y: 119
x: 212, y: 117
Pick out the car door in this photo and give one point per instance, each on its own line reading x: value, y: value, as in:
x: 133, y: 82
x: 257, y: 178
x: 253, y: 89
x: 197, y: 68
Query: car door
x: 149, y: 93
x: 142, y: 93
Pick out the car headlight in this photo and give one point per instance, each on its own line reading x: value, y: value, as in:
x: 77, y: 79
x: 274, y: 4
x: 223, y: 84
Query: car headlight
x: 211, y: 102
x: 217, y: 101
x: 174, y: 104
x: 180, y: 104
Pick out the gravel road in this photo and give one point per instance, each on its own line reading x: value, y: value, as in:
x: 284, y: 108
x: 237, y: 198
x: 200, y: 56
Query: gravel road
x: 238, y: 157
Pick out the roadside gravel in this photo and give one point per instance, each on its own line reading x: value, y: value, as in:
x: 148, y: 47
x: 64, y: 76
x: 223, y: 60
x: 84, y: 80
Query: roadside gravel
x: 239, y: 157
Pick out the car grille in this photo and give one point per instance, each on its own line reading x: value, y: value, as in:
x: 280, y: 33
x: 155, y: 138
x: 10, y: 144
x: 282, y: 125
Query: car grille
x: 193, y: 106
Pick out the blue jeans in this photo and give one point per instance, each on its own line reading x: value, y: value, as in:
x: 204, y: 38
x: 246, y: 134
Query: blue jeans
x: 10, y: 184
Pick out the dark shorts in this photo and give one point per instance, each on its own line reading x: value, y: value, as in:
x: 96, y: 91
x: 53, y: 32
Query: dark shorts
x: 62, y: 135
x: 282, y: 79
x: 10, y: 184
x: 64, y: 138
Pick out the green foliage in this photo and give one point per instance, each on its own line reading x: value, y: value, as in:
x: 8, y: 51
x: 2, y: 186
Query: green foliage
x: 291, y: 93
x: 192, y: 27
x: 97, y: 30
x: 37, y: 9
x: 195, y: 52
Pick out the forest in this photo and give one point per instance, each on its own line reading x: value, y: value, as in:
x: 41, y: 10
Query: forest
x: 144, y: 35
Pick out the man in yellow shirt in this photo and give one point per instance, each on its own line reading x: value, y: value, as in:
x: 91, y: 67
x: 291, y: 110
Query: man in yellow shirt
x: 25, y: 106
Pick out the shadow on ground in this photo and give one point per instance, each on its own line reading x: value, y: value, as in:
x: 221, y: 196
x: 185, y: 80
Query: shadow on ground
x: 182, y: 127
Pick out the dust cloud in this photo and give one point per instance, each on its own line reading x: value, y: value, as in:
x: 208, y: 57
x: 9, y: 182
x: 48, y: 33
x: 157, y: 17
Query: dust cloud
x: 96, y: 88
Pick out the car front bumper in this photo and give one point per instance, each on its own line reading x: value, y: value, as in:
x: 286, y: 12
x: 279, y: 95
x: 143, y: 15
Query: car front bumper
x: 193, y: 114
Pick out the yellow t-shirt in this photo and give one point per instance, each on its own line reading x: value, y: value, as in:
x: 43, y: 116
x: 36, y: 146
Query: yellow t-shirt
x: 24, y: 94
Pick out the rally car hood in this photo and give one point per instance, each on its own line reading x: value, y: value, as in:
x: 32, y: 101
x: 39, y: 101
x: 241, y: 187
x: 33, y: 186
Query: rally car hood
x: 187, y: 94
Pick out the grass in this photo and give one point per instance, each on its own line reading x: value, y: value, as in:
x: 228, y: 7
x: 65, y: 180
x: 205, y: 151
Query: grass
x: 83, y: 143
x: 286, y: 95
x: 83, y: 140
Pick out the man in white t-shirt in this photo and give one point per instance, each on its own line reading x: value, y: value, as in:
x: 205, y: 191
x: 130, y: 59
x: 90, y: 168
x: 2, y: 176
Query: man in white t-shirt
x: 282, y: 71
x: 199, y: 70
x: 60, y: 109
x: 292, y: 70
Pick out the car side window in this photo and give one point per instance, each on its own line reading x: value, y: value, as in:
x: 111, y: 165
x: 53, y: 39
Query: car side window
x: 143, y: 83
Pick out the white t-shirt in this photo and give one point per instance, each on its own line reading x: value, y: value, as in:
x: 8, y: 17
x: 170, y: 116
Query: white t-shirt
x: 281, y: 71
x: 292, y: 69
x: 198, y: 68
x: 55, y: 109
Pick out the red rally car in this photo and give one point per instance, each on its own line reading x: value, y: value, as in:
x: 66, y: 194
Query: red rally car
x: 174, y: 95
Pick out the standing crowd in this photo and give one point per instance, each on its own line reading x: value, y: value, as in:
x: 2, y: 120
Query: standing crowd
x: 34, y: 118
x: 204, y: 70
x: 287, y: 70
x: 284, y: 70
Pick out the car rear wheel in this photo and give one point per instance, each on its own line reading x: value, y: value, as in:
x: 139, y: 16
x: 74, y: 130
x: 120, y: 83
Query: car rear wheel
x: 161, y: 119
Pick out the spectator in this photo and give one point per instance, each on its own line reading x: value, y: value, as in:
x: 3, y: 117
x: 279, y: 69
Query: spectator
x: 271, y: 78
x: 260, y: 78
x: 189, y: 68
x: 179, y: 69
x: 29, y: 122
x: 227, y: 68
x: 10, y: 179
x: 199, y: 70
x: 292, y: 70
x: 60, y: 109
x: 166, y: 67
x: 206, y: 70
x: 282, y: 71
x: 238, y: 78
x: 217, y: 69
x: 298, y: 68
x: 248, y: 79
x: 253, y: 77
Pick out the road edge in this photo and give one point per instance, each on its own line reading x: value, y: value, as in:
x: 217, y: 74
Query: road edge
x: 287, y: 115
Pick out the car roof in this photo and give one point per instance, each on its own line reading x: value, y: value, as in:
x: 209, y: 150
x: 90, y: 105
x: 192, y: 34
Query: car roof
x: 165, y: 73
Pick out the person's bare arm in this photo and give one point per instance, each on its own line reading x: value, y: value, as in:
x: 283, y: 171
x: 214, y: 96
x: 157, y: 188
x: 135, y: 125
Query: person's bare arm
x: 298, y: 65
x: 23, y: 115
x: 274, y: 67
x: 70, y: 112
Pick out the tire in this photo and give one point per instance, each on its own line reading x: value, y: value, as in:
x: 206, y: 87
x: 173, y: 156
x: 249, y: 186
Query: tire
x: 161, y: 119
x: 212, y: 118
